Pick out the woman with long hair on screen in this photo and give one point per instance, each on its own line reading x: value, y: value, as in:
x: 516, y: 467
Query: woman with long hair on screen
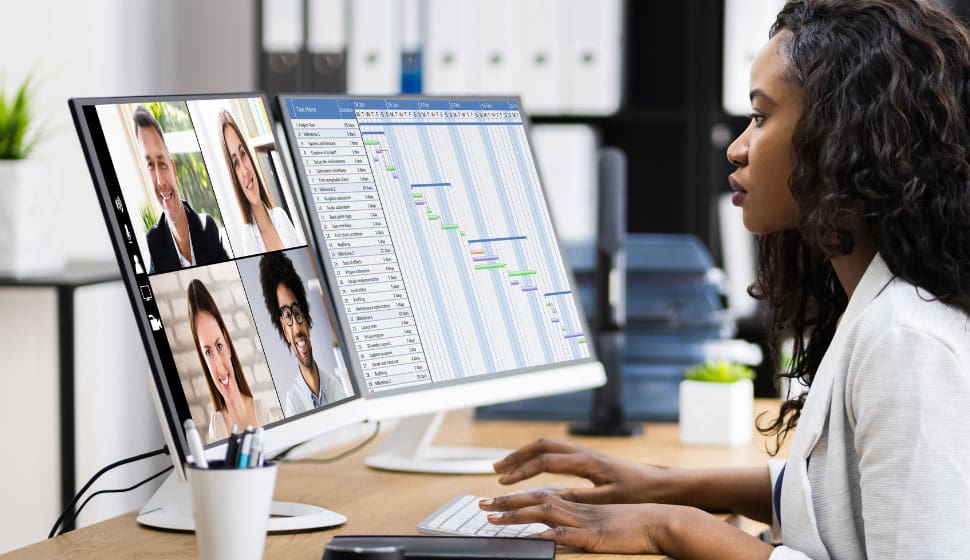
x: 233, y: 403
x: 267, y: 227
x: 854, y: 172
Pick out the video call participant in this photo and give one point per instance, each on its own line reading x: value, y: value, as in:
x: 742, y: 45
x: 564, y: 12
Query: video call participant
x: 232, y: 400
x: 267, y: 227
x: 286, y: 301
x: 182, y: 237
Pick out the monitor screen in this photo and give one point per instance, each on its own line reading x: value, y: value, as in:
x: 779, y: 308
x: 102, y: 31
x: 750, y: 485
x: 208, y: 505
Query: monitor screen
x: 225, y: 282
x: 440, y: 248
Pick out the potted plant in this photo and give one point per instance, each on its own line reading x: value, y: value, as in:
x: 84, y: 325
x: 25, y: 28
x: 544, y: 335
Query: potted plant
x: 30, y: 202
x: 716, y: 404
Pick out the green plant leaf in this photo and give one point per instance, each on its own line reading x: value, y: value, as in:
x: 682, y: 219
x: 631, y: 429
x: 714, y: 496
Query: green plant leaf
x: 720, y: 371
x: 17, y: 141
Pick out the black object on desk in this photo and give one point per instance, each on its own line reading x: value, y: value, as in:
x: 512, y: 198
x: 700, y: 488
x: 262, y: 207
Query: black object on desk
x: 76, y: 274
x: 427, y: 547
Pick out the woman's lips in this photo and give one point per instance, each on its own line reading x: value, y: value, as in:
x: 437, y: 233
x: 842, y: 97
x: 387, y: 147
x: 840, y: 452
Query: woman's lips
x: 740, y: 193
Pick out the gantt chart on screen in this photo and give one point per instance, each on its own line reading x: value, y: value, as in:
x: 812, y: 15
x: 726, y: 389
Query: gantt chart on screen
x: 442, y: 247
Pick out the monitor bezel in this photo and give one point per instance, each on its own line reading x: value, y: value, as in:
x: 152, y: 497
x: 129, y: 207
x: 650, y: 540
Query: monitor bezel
x: 456, y: 393
x: 284, y: 433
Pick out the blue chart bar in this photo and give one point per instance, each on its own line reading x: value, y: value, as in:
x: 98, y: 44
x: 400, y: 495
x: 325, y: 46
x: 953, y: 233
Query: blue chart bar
x: 425, y: 185
x: 363, y: 132
x: 489, y: 239
x: 481, y: 259
x: 564, y: 293
x: 573, y: 335
x: 529, y: 288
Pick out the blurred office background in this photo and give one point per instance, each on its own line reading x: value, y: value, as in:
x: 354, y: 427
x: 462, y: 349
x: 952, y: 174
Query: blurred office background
x: 666, y: 81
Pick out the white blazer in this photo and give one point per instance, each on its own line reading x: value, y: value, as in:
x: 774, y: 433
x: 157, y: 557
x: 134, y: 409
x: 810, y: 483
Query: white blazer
x: 880, y: 462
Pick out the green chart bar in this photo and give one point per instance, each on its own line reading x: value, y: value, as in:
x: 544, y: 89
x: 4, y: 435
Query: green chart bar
x: 372, y: 143
x: 581, y: 341
x: 488, y: 266
x: 434, y: 217
x: 522, y: 273
x: 449, y: 227
x: 390, y: 168
x: 417, y: 195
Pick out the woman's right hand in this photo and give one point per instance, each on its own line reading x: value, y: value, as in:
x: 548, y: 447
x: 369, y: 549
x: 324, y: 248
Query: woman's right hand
x: 615, y: 480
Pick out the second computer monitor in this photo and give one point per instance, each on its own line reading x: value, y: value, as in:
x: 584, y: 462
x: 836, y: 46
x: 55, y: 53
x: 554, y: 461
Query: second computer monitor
x: 449, y: 280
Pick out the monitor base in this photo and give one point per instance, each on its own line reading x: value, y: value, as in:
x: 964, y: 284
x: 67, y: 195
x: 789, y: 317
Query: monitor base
x: 408, y: 449
x: 170, y: 509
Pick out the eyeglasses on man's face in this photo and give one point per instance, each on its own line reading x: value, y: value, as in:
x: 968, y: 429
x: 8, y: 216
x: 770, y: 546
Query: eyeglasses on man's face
x: 290, y: 312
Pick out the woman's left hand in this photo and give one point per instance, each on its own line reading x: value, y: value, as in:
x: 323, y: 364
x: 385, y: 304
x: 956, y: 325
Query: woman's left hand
x: 611, y: 528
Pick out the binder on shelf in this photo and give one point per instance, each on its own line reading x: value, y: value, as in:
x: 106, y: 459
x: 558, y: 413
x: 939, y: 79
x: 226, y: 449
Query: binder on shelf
x: 449, y: 36
x: 281, y: 67
x: 498, y: 52
x: 326, y: 43
x: 374, y: 47
x: 411, y: 55
x: 593, y: 56
x: 566, y: 157
x: 745, y: 25
x: 543, y: 86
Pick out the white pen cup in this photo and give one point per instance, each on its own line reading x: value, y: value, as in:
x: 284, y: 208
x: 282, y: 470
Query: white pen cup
x: 231, y: 509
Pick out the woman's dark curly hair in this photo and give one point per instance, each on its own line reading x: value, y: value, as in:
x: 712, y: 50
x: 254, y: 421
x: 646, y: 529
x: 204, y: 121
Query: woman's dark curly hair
x: 882, y: 147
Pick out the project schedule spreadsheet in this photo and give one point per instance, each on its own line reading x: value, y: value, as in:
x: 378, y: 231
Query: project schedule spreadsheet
x: 441, y: 243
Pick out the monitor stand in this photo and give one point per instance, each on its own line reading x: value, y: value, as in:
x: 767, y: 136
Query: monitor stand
x: 170, y: 508
x: 408, y: 449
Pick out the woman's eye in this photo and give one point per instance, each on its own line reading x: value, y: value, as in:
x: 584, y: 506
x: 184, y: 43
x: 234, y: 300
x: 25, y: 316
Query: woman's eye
x: 757, y: 119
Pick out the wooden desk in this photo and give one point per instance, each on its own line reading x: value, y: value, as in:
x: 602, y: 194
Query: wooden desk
x: 378, y: 502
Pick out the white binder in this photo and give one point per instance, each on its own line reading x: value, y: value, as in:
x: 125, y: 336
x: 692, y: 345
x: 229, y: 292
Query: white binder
x: 498, y: 52
x: 450, y: 34
x: 544, y: 86
x: 594, y: 54
x: 746, y: 24
x: 566, y: 157
x: 326, y: 26
x: 282, y: 26
x: 374, y: 47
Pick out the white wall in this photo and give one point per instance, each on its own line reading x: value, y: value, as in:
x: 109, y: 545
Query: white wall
x: 77, y: 49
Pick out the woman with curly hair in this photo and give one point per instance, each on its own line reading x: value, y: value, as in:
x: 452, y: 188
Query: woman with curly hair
x: 854, y: 172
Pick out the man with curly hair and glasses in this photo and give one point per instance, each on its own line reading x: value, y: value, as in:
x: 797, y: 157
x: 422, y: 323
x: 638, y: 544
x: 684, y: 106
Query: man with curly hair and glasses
x: 287, y: 304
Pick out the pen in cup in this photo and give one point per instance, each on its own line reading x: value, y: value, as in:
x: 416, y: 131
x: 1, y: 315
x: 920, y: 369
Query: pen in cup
x: 256, y: 455
x: 195, y: 444
x: 232, y: 448
x: 245, y: 448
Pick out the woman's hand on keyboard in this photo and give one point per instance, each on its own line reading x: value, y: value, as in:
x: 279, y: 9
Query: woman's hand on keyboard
x: 616, y: 480
x: 613, y: 528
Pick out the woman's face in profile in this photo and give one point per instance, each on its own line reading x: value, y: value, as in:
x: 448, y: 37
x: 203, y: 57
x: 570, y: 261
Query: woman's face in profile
x: 763, y: 153
x: 242, y: 166
x: 215, y: 351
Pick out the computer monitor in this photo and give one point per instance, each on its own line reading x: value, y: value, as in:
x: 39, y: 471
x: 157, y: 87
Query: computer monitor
x: 449, y: 280
x: 223, y: 278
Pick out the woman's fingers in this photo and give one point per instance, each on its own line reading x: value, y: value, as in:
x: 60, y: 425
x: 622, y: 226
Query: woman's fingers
x: 552, y: 511
x: 517, y: 500
x: 575, y: 463
x: 531, y: 450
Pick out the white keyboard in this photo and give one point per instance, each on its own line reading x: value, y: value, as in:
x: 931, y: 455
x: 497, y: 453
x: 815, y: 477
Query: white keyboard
x: 462, y: 516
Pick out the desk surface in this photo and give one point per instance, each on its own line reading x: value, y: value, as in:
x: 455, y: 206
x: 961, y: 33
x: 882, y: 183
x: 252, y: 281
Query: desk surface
x: 378, y: 502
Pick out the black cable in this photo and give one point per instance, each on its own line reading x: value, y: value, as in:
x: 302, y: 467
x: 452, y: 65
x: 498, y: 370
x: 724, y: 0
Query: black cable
x: 67, y: 508
x: 282, y: 455
x: 120, y: 490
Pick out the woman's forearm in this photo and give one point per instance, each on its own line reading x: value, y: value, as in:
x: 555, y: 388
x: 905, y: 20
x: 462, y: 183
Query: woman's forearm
x: 744, y: 491
x: 690, y: 533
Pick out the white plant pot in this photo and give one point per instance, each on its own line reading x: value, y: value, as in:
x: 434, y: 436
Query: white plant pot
x: 716, y: 413
x: 31, y: 218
